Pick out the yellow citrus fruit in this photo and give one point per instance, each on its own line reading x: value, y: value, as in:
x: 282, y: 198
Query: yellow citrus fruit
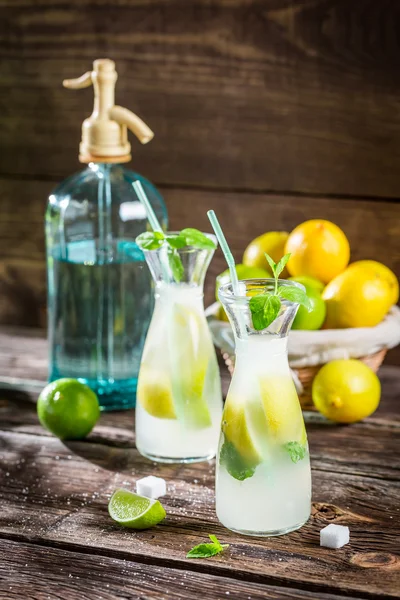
x: 272, y: 243
x: 221, y: 314
x: 236, y: 430
x: 318, y: 249
x: 356, y: 298
x: 191, y: 362
x: 382, y: 271
x: 346, y: 391
x: 282, y: 409
x: 154, y: 393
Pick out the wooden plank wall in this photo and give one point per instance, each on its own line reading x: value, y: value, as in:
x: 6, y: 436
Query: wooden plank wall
x: 280, y: 110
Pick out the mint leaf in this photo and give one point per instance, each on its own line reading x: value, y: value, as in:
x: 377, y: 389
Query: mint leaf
x: 175, y: 263
x: 264, y: 310
x: 271, y: 263
x: 236, y: 466
x: 203, y: 551
x: 176, y: 241
x: 294, y: 294
x: 197, y: 239
x: 214, y: 539
x: 281, y: 265
x: 296, y: 451
x: 271, y: 309
x: 150, y: 240
x: 257, y: 305
x: 207, y: 550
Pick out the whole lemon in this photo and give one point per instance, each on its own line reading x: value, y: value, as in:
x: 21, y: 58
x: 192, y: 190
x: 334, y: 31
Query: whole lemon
x: 346, y: 391
x: 272, y: 243
x: 356, y: 298
x: 382, y: 271
x: 319, y: 249
x: 68, y: 408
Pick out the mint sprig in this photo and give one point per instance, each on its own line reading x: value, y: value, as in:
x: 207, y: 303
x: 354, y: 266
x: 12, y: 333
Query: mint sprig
x: 175, y: 263
x: 265, y: 307
x: 153, y: 240
x: 236, y: 466
x: 207, y: 550
x: 296, y: 451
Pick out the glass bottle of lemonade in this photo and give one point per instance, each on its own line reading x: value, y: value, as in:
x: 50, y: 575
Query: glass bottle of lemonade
x: 263, y: 479
x: 179, y: 401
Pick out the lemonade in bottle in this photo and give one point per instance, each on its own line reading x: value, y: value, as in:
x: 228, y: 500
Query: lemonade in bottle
x: 179, y: 401
x: 263, y: 479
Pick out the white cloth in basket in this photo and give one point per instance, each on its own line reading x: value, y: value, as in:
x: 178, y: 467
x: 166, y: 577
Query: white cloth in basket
x: 309, y: 348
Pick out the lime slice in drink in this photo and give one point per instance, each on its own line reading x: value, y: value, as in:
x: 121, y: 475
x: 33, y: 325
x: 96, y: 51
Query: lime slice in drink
x: 189, y: 358
x: 136, y: 512
x: 155, y: 394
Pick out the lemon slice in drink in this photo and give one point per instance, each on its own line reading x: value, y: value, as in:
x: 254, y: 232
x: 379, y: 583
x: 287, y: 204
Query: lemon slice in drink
x: 189, y: 358
x: 154, y: 393
x: 244, y: 427
x: 134, y: 511
x: 236, y: 431
x: 282, y: 409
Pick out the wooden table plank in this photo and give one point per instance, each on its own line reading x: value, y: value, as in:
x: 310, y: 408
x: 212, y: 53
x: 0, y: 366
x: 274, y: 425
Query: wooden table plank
x: 58, y: 494
x: 50, y: 573
x: 358, y: 449
x: 55, y: 495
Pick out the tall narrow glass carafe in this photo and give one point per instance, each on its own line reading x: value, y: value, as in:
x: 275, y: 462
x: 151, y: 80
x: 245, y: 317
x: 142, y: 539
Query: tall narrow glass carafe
x: 179, y: 406
x: 263, y: 477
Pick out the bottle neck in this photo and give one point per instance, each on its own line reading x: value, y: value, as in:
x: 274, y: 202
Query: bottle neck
x: 261, y: 356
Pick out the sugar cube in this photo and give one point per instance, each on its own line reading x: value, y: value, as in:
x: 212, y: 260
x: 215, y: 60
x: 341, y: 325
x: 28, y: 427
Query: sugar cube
x: 151, y: 487
x: 334, y: 536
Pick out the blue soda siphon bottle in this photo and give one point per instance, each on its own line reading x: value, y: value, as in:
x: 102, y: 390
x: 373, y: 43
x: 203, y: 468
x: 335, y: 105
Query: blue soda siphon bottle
x: 100, y: 297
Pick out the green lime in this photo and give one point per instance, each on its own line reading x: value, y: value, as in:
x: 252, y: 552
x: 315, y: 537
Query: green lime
x: 68, y: 408
x: 134, y: 511
x: 310, y: 283
x: 315, y: 317
x: 243, y: 272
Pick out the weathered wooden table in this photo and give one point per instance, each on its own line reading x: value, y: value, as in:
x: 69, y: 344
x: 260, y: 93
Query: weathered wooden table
x: 58, y: 542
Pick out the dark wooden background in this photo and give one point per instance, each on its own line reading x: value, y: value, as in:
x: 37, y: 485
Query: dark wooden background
x: 269, y: 111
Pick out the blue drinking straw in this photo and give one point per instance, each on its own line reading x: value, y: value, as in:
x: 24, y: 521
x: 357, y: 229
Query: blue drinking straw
x: 225, y: 249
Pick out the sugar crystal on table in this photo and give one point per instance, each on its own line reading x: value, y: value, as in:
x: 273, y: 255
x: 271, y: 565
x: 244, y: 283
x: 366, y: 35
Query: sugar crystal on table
x: 334, y: 536
x: 151, y: 487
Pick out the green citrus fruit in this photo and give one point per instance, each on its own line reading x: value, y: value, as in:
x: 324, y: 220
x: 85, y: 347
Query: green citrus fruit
x: 134, y: 511
x: 243, y: 272
x: 68, y: 408
x: 346, y: 391
x: 310, y: 283
x: 315, y: 317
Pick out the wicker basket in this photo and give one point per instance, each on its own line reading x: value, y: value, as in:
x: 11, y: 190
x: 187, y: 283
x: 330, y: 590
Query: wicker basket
x: 306, y: 374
